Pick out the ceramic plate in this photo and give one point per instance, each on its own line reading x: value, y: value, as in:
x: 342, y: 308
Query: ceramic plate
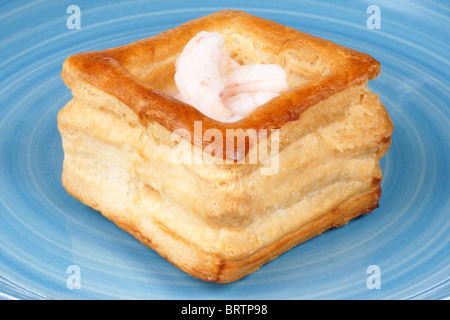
x: 400, y: 251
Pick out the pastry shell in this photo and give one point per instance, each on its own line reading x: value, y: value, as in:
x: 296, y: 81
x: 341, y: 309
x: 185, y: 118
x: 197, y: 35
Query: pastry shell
x: 221, y: 220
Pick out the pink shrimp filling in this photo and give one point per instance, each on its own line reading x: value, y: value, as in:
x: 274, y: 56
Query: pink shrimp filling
x: 211, y: 81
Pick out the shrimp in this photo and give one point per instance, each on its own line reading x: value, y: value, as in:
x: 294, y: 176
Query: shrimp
x: 218, y: 86
x: 250, y: 86
x: 244, y: 103
x: 253, y: 78
x: 198, y: 74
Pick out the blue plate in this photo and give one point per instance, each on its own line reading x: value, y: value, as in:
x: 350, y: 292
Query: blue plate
x: 54, y: 247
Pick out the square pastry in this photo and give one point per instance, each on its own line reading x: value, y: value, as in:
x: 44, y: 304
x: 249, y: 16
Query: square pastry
x: 216, y: 198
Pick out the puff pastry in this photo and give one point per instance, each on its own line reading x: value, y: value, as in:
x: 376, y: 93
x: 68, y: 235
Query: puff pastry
x: 221, y: 220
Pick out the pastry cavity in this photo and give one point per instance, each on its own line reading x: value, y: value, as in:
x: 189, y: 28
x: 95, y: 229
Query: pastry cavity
x: 218, y: 86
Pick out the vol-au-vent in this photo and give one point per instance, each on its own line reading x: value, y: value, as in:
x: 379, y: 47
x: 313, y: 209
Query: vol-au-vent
x: 221, y: 220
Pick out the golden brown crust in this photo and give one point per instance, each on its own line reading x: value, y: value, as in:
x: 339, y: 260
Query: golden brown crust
x: 115, y: 72
x: 215, y: 268
x: 220, y: 222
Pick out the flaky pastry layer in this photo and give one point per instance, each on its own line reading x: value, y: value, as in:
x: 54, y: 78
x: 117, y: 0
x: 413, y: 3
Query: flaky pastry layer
x: 141, y: 74
x: 221, y: 221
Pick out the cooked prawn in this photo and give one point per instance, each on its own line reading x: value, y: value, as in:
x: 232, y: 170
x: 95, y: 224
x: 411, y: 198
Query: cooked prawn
x: 214, y: 83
